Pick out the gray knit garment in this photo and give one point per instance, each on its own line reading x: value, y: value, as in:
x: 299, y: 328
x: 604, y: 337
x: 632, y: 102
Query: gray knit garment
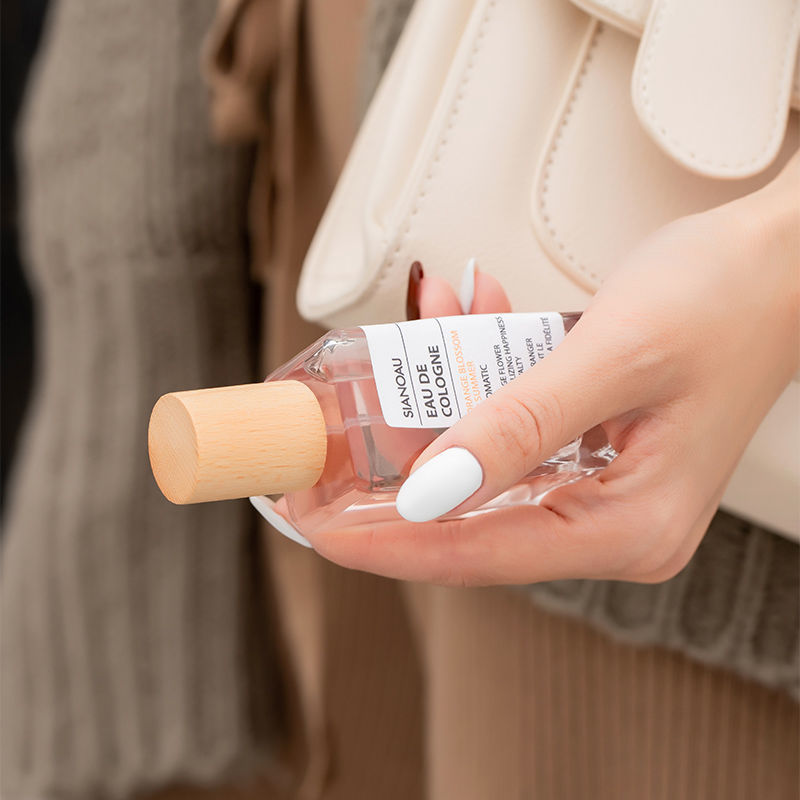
x: 736, y: 605
x: 124, y: 617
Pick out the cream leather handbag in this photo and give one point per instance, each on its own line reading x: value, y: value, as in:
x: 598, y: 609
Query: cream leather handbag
x: 545, y: 138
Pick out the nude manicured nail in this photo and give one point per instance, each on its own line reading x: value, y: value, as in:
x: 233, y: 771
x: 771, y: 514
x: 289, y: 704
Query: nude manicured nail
x: 266, y: 508
x: 439, y: 485
x: 415, y: 275
x: 466, y: 292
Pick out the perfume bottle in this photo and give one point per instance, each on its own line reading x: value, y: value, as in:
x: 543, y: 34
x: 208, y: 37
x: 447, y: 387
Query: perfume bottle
x: 337, y: 429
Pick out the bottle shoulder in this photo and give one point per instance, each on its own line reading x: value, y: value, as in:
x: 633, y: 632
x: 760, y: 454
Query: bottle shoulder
x: 336, y: 356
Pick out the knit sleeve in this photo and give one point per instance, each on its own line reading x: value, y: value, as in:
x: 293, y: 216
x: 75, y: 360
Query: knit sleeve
x: 124, y: 627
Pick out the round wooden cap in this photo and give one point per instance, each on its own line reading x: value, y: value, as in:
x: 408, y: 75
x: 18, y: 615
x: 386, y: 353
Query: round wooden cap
x: 237, y: 441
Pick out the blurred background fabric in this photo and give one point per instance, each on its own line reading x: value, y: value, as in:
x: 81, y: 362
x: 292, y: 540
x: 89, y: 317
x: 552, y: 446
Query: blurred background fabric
x: 125, y: 620
x: 150, y: 650
x: 20, y: 28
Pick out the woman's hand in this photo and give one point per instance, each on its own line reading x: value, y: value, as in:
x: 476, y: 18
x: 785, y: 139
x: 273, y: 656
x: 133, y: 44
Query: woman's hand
x: 679, y: 355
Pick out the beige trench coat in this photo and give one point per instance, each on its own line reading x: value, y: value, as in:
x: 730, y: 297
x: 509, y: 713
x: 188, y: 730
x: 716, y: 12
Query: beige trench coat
x: 283, y: 74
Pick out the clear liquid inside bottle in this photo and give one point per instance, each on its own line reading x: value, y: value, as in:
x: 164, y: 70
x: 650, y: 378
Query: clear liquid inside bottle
x: 368, y: 460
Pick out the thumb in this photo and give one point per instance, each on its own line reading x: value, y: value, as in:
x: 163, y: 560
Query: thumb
x: 587, y: 380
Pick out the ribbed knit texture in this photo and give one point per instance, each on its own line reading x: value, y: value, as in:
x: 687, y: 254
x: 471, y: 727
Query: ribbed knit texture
x: 523, y: 704
x: 123, y: 616
x: 355, y: 670
x: 736, y: 604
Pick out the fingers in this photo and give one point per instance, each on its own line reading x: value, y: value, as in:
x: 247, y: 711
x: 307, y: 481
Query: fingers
x: 479, y: 293
x: 490, y: 297
x: 590, y: 378
x: 587, y: 529
x: 437, y: 298
x: 482, y: 550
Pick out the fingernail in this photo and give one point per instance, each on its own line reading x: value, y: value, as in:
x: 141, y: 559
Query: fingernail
x: 466, y: 293
x: 266, y: 508
x: 415, y: 275
x: 439, y: 485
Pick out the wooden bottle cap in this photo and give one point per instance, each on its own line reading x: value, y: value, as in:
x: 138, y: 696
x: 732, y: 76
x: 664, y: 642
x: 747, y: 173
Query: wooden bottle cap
x: 237, y: 441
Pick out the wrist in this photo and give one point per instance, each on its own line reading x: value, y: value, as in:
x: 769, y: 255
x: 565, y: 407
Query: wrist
x: 768, y: 222
x: 761, y: 235
x: 782, y: 207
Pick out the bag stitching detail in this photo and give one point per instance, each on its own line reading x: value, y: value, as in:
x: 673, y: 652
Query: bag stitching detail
x: 627, y: 11
x: 385, y: 268
x: 624, y: 9
x: 550, y: 161
x: 628, y: 22
x: 685, y: 150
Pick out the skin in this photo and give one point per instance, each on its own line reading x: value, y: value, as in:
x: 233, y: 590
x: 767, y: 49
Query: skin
x: 679, y: 355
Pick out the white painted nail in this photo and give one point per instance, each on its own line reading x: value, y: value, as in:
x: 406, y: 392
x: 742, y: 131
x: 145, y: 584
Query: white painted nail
x: 466, y: 294
x: 266, y: 508
x: 439, y: 485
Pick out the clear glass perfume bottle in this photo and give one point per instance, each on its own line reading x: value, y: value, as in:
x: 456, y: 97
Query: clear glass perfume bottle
x: 367, y: 382
x: 368, y: 460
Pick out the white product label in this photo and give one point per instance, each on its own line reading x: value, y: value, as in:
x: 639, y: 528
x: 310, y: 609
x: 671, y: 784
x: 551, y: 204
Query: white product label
x: 430, y: 372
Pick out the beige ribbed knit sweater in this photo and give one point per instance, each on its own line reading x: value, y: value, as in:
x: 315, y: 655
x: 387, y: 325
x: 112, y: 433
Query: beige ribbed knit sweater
x: 124, y: 618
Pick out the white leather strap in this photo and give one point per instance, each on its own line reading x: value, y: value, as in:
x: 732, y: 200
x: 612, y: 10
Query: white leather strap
x: 627, y: 15
x: 631, y: 15
x: 713, y: 80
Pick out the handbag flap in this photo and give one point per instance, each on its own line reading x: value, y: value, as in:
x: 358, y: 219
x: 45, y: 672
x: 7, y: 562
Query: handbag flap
x: 713, y: 81
x: 631, y: 15
x: 602, y: 184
